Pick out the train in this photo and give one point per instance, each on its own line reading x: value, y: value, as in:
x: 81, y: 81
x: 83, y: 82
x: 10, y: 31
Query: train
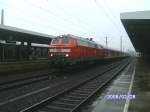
x: 69, y: 50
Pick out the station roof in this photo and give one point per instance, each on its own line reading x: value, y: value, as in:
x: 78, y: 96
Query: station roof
x: 16, y: 34
x: 137, y: 25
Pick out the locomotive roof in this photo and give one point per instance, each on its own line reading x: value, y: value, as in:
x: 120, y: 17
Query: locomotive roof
x: 82, y: 38
x: 86, y: 39
x: 91, y: 41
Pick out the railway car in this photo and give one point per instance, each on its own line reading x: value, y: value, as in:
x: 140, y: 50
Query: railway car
x: 70, y: 49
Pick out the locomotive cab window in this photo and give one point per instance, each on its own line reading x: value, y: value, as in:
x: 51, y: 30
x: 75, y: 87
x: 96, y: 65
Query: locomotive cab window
x: 65, y: 40
x: 55, y: 41
x: 60, y: 40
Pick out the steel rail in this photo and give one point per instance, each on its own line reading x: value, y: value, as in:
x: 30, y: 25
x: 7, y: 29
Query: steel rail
x: 66, y: 102
x: 25, y: 81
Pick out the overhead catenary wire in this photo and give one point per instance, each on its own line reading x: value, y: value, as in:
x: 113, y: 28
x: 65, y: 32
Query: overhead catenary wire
x: 83, y: 23
x: 55, y: 15
x: 75, y: 29
x: 23, y: 19
x: 38, y: 25
x: 67, y: 13
x: 58, y: 25
x: 113, y: 16
x: 107, y: 15
x: 59, y: 17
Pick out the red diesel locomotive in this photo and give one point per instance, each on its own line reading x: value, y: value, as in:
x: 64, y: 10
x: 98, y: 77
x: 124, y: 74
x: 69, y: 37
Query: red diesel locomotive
x: 70, y: 49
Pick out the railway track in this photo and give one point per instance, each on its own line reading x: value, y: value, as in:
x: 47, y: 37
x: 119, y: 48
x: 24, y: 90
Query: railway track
x: 25, y: 81
x: 71, y: 99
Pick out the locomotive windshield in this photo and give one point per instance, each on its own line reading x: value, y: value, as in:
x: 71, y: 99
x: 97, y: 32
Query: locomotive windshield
x: 60, y: 40
x: 55, y: 41
x: 64, y: 40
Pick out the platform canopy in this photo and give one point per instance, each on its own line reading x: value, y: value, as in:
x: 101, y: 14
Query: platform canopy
x: 137, y: 26
x: 15, y: 34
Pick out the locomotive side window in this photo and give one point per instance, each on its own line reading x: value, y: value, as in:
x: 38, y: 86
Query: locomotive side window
x: 86, y: 43
x: 96, y: 46
x: 91, y: 44
x: 82, y: 43
x: 99, y: 46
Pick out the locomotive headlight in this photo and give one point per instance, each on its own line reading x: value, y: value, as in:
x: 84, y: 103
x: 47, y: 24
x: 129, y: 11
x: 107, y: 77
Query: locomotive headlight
x: 67, y: 55
x: 51, y: 54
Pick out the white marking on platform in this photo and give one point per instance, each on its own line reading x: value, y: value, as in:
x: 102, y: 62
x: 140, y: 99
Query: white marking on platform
x: 122, y: 82
x: 126, y: 106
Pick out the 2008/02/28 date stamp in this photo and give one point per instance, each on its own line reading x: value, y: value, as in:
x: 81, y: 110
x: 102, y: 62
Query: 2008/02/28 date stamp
x: 120, y: 97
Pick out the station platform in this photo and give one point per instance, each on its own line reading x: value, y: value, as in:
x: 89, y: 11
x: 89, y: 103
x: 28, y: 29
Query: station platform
x: 141, y: 87
x: 129, y: 92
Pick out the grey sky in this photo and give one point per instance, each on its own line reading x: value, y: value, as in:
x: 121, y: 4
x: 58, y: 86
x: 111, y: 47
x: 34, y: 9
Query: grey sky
x: 86, y: 18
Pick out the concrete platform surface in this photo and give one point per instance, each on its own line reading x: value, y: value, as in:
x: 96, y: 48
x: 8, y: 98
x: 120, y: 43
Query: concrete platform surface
x: 141, y: 88
x: 129, y: 92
